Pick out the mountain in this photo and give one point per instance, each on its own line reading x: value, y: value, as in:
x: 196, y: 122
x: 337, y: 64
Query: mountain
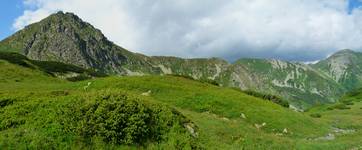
x: 300, y: 83
x: 344, y: 67
x: 64, y: 37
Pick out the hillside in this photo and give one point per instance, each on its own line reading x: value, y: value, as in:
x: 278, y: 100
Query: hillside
x: 40, y: 111
x: 64, y: 37
x: 295, y: 81
x: 345, y: 67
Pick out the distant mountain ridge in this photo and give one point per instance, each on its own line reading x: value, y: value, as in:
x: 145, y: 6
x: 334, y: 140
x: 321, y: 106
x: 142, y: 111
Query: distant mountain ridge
x: 64, y: 37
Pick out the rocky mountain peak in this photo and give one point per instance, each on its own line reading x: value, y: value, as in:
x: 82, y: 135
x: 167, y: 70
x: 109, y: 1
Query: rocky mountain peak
x: 344, y: 67
x: 346, y: 54
x: 66, y: 38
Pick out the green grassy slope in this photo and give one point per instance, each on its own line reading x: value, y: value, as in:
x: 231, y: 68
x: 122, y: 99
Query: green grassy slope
x: 300, y: 84
x: 39, y: 111
x: 345, y: 117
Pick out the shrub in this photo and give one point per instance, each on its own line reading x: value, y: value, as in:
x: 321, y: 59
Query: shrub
x: 347, y: 102
x: 15, y: 58
x: 59, y: 93
x: 340, y: 106
x: 80, y: 77
x: 49, y: 67
x: 120, y: 119
x: 316, y: 115
x: 183, y: 76
x: 354, y: 93
x: 5, y: 102
x: 272, y: 98
x: 209, y: 81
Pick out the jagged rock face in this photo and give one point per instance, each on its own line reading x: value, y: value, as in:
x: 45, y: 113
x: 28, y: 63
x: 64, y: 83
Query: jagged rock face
x: 66, y: 38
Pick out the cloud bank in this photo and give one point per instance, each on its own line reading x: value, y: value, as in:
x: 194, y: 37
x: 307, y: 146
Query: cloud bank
x: 299, y: 30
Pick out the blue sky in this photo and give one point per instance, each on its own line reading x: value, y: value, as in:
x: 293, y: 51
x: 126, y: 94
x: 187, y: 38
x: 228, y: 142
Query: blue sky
x: 299, y: 30
x: 354, y: 4
x: 9, y: 11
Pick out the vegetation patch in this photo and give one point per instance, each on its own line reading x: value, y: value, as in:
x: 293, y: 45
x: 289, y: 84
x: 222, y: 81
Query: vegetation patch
x: 5, y: 102
x: 272, y: 98
x: 340, y: 106
x: 59, y: 93
x: 50, y: 67
x: 209, y: 81
x: 316, y: 115
x: 119, y: 118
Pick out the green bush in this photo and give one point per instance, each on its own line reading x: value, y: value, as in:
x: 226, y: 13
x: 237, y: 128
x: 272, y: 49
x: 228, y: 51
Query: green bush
x: 80, y: 77
x: 213, y: 82
x: 183, y: 76
x: 121, y: 119
x: 209, y: 81
x: 49, y: 67
x: 59, y: 67
x: 59, y: 93
x: 316, y: 115
x: 5, y: 101
x: 15, y: 58
x: 347, y: 102
x: 340, y: 106
x: 272, y: 98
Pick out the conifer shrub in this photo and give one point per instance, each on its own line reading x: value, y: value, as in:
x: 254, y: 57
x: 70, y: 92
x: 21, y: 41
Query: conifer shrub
x: 272, y: 98
x: 340, y: 106
x: 316, y: 115
x: 119, y: 118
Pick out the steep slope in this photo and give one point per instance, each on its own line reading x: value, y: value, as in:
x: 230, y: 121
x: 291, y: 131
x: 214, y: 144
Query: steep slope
x: 345, y: 67
x: 64, y: 37
x: 297, y: 82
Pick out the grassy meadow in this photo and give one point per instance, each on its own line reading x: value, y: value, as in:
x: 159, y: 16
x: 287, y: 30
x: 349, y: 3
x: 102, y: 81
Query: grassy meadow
x: 40, y: 111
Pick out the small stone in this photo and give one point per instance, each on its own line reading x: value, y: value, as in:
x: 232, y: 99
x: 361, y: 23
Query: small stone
x: 148, y: 93
x: 258, y: 126
x: 226, y: 119
x: 242, y: 115
x: 285, y: 130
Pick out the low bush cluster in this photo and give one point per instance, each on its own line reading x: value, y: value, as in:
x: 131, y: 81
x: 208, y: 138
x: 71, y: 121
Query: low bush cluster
x: 272, y: 98
x: 340, y: 106
x: 209, y: 81
x: 120, y: 119
x: 183, y: 76
x: 347, y: 102
x: 49, y: 67
x: 80, y: 77
x: 5, y: 101
x: 15, y: 58
x: 316, y: 115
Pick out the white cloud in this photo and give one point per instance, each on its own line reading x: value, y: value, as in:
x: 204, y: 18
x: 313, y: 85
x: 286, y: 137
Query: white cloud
x: 303, y: 30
